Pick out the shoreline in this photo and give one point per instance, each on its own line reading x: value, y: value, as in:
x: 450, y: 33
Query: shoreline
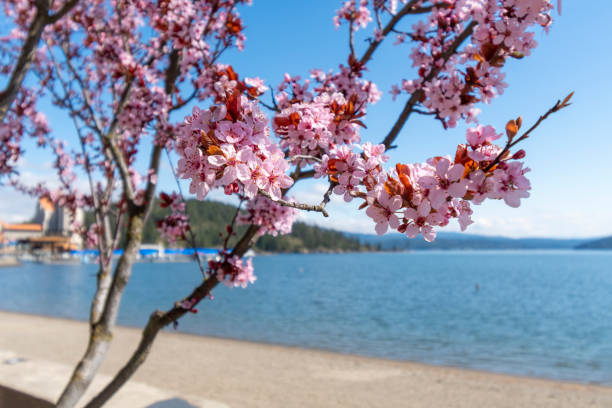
x: 241, y: 373
x: 251, y: 343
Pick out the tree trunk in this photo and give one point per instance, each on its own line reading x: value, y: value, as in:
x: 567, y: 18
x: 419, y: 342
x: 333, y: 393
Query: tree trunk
x: 158, y: 320
x: 101, y: 333
x: 23, y: 62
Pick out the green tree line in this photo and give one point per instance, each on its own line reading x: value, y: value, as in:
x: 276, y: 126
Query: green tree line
x: 208, y: 218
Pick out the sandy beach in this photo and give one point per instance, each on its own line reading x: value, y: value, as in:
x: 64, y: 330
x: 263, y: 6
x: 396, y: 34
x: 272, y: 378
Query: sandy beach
x: 37, y: 354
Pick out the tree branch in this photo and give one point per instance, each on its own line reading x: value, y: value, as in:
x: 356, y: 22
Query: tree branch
x: 63, y: 11
x: 556, y: 108
x: 409, y: 8
x: 306, y: 207
x: 26, y: 56
x: 416, y: 96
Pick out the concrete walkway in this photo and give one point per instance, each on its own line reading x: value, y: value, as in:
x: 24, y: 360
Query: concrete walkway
x: 32, y: 383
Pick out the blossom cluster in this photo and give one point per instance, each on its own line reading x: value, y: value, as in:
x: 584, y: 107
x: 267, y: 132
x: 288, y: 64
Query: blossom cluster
x: 415, y: 198
x: 138, y: 52
x: 175, y: 225
x: 231, y: 270
x: 451, y: 80
x: 186, y: 22
x: 22, y: 119
x: 272, y: 218
x: 351, y: 170
x: 311, y: 123
x: 356, y: 12
x: 229, y: 146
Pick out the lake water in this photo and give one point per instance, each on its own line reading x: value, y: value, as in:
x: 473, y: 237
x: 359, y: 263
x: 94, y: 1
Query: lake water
x: 544, y: 314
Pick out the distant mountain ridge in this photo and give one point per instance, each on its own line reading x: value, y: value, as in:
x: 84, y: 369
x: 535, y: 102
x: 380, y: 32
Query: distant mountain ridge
x: 462, y: 241
x: 207, y: 218
x: 601, y: 243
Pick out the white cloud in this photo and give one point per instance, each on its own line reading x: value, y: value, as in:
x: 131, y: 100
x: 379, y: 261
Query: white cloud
x: 16, y: 207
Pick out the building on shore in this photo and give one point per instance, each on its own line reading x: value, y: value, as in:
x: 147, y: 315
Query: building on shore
x: 10, y: 234
x: 49, y: 232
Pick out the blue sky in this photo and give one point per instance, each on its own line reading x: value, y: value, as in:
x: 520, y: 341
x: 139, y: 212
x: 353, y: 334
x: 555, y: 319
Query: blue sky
x: 569, y: 154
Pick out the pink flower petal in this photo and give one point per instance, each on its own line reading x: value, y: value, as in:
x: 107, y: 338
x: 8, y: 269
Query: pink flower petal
x: 381, y: 227
x: 458, y: 190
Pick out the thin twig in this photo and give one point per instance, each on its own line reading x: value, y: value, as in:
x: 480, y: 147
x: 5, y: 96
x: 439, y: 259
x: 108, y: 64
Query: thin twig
x: 409, y: 8
x: 556, y: 108
x: 327, y: 195
x: 230, y: 232
x: 303, y: 157
x: 24, y: 61
x: 352, y: 37
x: 416, y: 96
x: 300, y: 206
x: 63, y: 11
x: 192, y: 238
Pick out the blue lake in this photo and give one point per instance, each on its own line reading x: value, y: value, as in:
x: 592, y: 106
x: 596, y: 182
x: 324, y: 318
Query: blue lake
x: 544, y: 314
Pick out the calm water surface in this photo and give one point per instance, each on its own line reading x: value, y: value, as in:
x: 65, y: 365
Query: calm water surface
x: 545, y: 314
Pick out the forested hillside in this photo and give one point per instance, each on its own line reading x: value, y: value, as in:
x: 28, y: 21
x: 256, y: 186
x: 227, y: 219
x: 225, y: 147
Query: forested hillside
x: 208, y: 218
x: 602, y: 243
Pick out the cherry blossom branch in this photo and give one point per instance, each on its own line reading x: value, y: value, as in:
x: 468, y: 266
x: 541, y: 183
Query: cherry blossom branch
x: 124, y: 171
x: 269, y: 107
x: 327, y: 195
x: 125, y: 95
x: 105, y: 244
x: 67, y: 102
x: 97, y: 125
x: 301, y: 175
x: 230, y: 230
x: 8, y: 95
x: 24, y: 61
x: 558, y: 106
x: 300, y: 206
x: 184, y: 102
x: 117, y: 233
x: 352, y: 38
x: 101, y: 219
x: 54, y: 18
x: 416, y: 96
x: 409, y: 8
x: 511, y: 132
x: 137, y: 216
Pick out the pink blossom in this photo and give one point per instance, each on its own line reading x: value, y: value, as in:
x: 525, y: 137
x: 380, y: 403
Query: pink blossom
x: 422, y: 221
x: 272, y: 218
x: 233, y: 271
x: 382, y: 211
x: 175, y: 225
x: 346, y: 184
x: 447, y: 182
x: 479, y: 135
x: 233, y: 167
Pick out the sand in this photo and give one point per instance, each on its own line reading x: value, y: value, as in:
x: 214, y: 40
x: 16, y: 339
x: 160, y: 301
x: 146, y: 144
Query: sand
x: 8, y: 260
x: 37, y: 354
